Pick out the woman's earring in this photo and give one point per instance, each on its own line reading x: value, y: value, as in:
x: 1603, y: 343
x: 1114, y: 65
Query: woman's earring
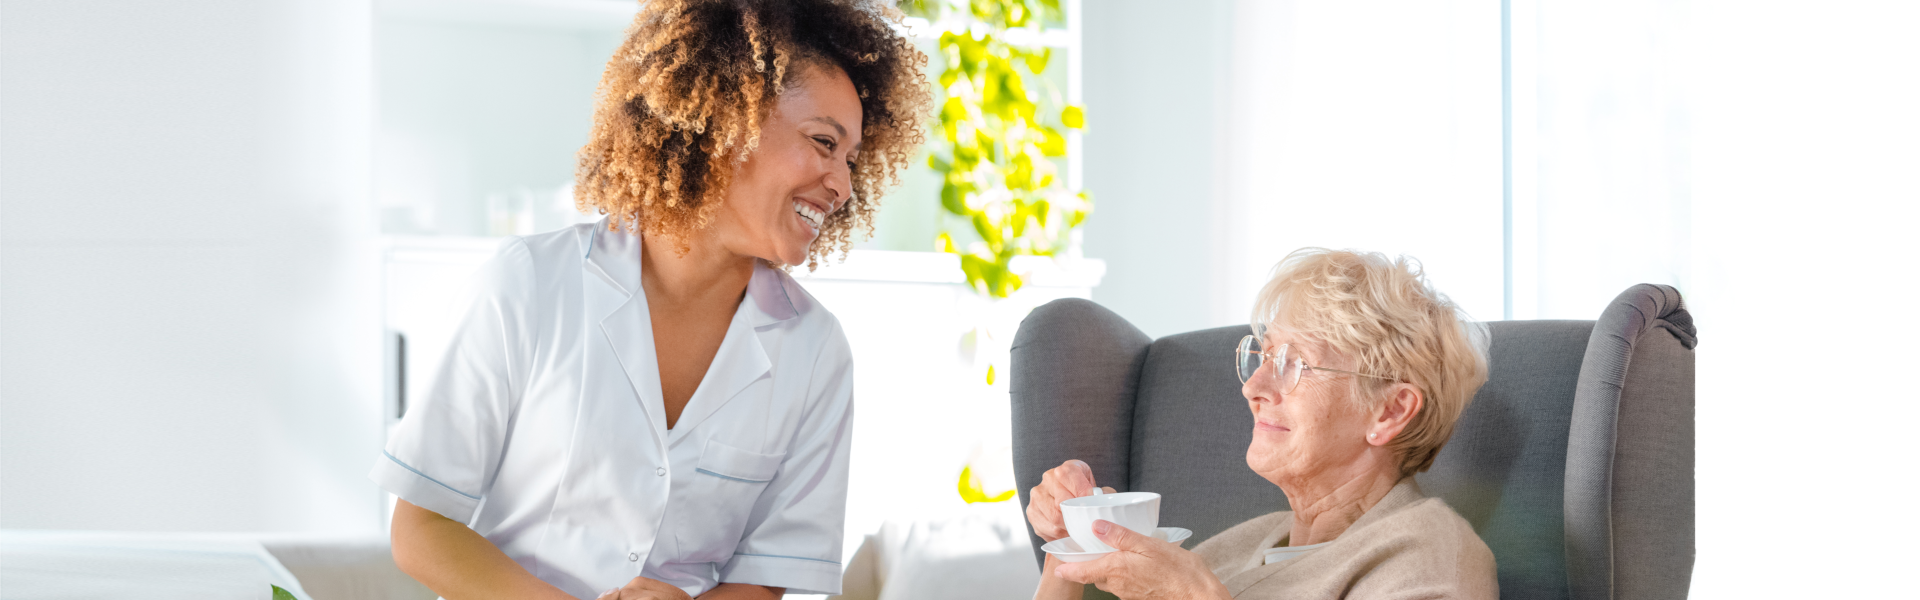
x: 1372, y: 435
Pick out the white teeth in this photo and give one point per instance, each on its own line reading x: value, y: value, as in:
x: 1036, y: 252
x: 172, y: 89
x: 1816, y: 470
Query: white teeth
x: 813, y: 217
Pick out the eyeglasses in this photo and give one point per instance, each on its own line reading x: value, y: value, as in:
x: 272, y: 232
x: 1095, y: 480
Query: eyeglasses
x: 1248, y: 359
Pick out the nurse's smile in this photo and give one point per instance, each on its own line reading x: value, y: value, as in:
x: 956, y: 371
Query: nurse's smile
x: 792, y: 186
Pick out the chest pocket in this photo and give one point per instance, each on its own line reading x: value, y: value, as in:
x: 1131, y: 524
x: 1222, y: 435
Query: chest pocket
x: 720, y: 497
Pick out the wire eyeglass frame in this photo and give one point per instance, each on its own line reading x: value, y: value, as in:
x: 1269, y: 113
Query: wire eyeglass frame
x: 1289, y: 375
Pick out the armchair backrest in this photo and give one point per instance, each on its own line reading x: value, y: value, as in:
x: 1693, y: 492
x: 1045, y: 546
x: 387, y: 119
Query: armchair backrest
x: 1574, y: 462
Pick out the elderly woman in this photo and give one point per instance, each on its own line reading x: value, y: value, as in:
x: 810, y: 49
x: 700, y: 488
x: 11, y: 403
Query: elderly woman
x: 1355, y: 374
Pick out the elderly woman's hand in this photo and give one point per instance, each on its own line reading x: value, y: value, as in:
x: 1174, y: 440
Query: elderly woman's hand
x: 1072, y: 479
x: 1144, y: 568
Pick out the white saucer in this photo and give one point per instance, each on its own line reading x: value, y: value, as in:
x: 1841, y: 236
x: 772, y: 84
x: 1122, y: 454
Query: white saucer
x: 1069, y: 550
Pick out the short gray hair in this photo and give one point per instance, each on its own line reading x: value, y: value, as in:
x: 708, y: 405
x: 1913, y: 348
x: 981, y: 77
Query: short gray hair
x: 1383, y: 314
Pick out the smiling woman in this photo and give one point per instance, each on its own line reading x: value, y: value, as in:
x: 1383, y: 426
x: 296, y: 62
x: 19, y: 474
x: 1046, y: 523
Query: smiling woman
x: 684, y: 104
x: 802, y: 171
x: 679, y: 409
x: 1355, y: 374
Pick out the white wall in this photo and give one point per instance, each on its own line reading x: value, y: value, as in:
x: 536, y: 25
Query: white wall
x: 473, y: 112
x: 1154, y: 72
x: 188, y: 323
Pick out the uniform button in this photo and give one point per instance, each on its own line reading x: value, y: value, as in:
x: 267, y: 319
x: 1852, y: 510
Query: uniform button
x: 632, y: 557
x: 662, y: 471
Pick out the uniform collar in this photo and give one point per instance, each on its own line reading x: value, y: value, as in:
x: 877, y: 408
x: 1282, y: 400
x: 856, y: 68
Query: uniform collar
x: 615, y: 257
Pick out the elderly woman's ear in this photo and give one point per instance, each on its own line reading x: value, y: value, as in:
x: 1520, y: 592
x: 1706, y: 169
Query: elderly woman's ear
x: 1403, y: 402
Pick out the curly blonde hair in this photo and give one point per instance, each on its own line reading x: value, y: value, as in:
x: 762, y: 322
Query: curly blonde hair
x: 682, y: 101
x: 1386, y: 316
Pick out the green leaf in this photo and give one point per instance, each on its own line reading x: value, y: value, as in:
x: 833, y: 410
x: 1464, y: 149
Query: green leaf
x: 989, y: 374
x: 1037, y: 61
x: 971, y: 489
x: 988, y: 232
x: 1076, y: 216
x: 970, y: 486
x: 1008, y: 284
x: 996, y: 280
x: 280, y: 593
x: 953, y: 111
x: 973, y: 51
x: 983, y: 10
x: 1073, y: 117
x: 993, y: 96
x: 1001, y: 281
x: 1052, y: 144
x: 1016, y: 93
x: 1021, y: 176
x: 995, y: 143
x: 985, y: 143
x: 1017, y: 14
x: 965, y: 157
x: 954, y: 198
x: 975, y: 269
x: 1019, y: 219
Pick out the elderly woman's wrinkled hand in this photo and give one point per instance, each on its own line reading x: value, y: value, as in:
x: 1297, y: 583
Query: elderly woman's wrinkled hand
x: 1144, y: 568
x: 1072, y: 479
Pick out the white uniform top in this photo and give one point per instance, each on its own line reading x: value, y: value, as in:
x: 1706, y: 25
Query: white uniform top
x: 545, y: 431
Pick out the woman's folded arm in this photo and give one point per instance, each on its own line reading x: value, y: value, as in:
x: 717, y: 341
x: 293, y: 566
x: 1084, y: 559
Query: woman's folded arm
x: 456, y: 562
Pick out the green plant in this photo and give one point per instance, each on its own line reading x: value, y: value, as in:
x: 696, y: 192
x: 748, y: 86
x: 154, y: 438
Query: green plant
x: 999, y: 138
x: 972, y: 490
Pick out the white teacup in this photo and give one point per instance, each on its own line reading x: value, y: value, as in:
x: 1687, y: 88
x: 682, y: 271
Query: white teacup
x: 1139, y: 511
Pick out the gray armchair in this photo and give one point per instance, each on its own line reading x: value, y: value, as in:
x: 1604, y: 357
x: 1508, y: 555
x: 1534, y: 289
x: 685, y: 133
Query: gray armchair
x: 1574, y: 462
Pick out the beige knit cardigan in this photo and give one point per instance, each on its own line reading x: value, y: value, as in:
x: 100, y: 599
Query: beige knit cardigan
x: 1406, y: 547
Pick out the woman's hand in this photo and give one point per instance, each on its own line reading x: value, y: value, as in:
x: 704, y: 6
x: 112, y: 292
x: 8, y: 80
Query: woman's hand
x: 642, y: 588
x: 1144, y: 568
x: 1072, y: 479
